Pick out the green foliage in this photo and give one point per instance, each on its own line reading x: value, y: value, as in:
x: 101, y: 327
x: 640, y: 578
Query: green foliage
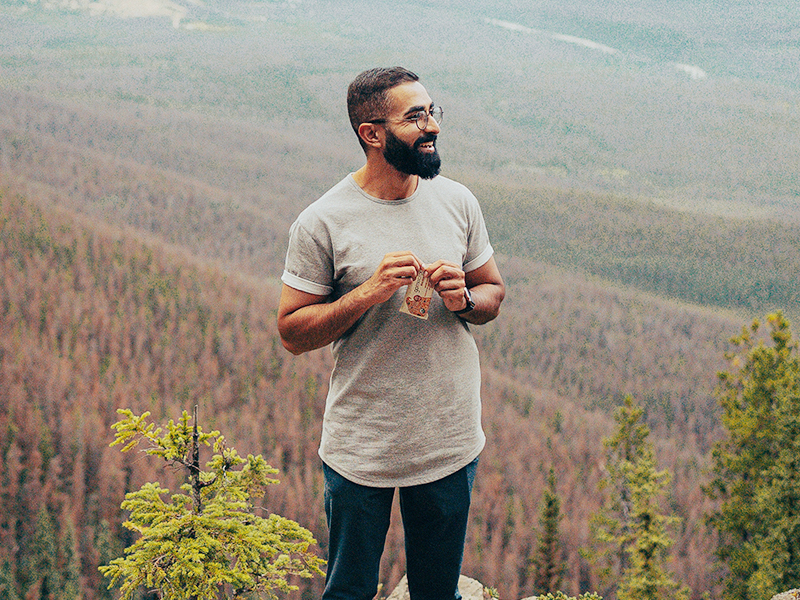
x: 8, y: 590
x: 548, y: 564
x: 104, y: 543
x: 208, y: 540
x: 757, y: 467
x: 630, y: 531
x: 563, y: 596
x: 39, y: 564
x: 702, y: 259
x: 71, y: 568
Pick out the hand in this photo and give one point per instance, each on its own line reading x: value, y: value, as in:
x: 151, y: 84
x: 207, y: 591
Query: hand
x: 395, y: 270
x: 448, y: 279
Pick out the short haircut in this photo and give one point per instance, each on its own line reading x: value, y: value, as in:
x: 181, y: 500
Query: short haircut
x: 368, y: 98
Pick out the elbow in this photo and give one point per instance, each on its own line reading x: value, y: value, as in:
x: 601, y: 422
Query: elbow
x: 291, y: 347
x: 290, y: 341
x: 497, y: 301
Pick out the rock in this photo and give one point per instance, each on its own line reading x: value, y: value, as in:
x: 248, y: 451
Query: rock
x: 470, y: 589
x: 790, y: 595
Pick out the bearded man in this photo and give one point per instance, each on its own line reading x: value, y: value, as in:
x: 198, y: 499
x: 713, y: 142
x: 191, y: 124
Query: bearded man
x: 392, y: 266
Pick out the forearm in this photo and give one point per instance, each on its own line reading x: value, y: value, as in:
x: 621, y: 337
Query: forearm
x: 487, y: 297
x: 317, y: 325
x: 307, y: 322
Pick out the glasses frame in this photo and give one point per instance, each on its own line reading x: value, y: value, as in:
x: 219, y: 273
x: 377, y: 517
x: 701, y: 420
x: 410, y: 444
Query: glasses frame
x: 436, y: 113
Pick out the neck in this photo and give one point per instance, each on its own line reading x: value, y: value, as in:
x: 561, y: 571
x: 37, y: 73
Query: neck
x: 381, y: 180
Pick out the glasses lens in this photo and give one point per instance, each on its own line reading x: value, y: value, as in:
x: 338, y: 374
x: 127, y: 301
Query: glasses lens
x: 422, y: 117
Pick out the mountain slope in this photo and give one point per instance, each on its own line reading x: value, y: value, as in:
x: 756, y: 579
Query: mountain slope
x: 94, y: 319
x: 547, y: 106
x: 161, y: 168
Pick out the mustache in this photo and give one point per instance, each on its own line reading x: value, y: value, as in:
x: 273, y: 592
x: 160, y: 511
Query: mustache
x: 424, y: 139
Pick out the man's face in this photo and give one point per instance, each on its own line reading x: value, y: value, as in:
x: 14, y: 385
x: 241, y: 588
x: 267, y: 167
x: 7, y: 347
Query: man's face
x: 411, y: 150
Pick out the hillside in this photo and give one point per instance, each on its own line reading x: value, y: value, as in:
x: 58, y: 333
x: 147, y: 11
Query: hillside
x: 92, y: 320
x: 542, y: 101
x: 149, y: 174
x: 220, y: 191
x: 95, y: 319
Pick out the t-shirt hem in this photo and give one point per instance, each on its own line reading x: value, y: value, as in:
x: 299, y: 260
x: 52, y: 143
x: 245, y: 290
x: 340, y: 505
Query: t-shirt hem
x: 428, y: 476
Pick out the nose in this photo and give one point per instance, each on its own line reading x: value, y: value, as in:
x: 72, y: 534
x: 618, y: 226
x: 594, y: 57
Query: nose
x: 432, y: 125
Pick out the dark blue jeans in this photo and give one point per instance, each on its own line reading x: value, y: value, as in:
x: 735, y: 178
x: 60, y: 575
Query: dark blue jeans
x: 435, y: 525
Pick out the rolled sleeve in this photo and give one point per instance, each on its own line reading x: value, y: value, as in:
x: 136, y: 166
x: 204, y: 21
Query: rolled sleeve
x: 304, y: 285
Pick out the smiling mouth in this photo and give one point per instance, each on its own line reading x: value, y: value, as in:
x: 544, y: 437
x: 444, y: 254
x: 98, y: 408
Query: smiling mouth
x: 426, y: 143
x: 427, y: 147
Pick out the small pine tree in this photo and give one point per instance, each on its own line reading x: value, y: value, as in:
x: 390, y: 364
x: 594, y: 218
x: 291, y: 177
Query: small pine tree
x: 756, y: 474
x: 41, y: 559
x: 563, y: 596
x: 645, y: 577
x: 8, y: 584
x: 777, y: 550
x: 106, y: 551
x: 547, y: 565
x: 630, y: 529
x: 70, y: 564
x: 199, y: 544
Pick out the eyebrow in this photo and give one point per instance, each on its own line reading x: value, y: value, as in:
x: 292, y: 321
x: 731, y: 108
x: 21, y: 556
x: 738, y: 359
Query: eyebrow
x: 416, y: 109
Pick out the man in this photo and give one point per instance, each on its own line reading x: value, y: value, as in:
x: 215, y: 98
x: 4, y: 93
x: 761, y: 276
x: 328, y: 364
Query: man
x: 403, y: 409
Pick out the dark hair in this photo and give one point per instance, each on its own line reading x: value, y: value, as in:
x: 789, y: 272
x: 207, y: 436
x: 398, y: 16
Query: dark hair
x: 367, y: 96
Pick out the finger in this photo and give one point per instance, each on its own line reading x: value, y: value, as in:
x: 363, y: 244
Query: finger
x: 439, y: 264
x: 446, y: 272
x: 450, y: 286
x: 404, y: 259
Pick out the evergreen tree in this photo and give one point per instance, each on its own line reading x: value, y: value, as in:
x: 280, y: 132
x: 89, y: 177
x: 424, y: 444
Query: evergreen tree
x: 8, y: 584
x: 756, y: 476
x: 646, y: 577
x: 630, y: 529
x: 70, y: 564
x: 208, y: 540
x: 106, y: 551
x: 548, y: 564
x: 39, y: 563
x: 777, y: 550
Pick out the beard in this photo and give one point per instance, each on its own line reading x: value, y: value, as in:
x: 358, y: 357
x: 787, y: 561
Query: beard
x: 410, y: 159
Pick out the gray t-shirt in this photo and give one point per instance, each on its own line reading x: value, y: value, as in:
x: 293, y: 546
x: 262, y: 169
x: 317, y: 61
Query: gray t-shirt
x: 404, y: 404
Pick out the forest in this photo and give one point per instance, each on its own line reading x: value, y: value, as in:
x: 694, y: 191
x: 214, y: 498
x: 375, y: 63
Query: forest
x: 145, y: 200
x: 95, y: 319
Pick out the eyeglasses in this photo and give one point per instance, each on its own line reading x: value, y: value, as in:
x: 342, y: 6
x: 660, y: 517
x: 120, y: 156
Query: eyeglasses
x: 420, y: 118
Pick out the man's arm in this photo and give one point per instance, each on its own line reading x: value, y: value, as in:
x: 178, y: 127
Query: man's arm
x: 308, y: 321
x: 485, y: 285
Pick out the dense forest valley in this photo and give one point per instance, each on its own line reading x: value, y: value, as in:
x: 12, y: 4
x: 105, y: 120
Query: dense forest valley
x: 96, y: 318
x: 142, y: 232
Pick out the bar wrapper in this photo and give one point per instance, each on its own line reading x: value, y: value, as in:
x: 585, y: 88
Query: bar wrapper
x: 418, y: 297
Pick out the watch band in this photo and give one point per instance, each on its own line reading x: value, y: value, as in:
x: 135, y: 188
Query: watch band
x: 470, y: 303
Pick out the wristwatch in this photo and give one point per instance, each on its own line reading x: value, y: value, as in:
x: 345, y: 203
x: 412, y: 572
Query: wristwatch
x: 470, y: 303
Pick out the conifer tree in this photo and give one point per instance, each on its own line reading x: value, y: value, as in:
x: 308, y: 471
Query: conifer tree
x: 777, y: 550
x: 548, y: 563
x: 756, y: 475
x: 630, y: 531
x: 206, y: 541
x: 8, y: 584
x: 40, y: 563
x: 106, y: 551
x: 70, y: 564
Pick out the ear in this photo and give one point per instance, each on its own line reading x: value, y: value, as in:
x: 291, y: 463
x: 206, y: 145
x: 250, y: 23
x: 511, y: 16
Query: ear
x: 372, y: 134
